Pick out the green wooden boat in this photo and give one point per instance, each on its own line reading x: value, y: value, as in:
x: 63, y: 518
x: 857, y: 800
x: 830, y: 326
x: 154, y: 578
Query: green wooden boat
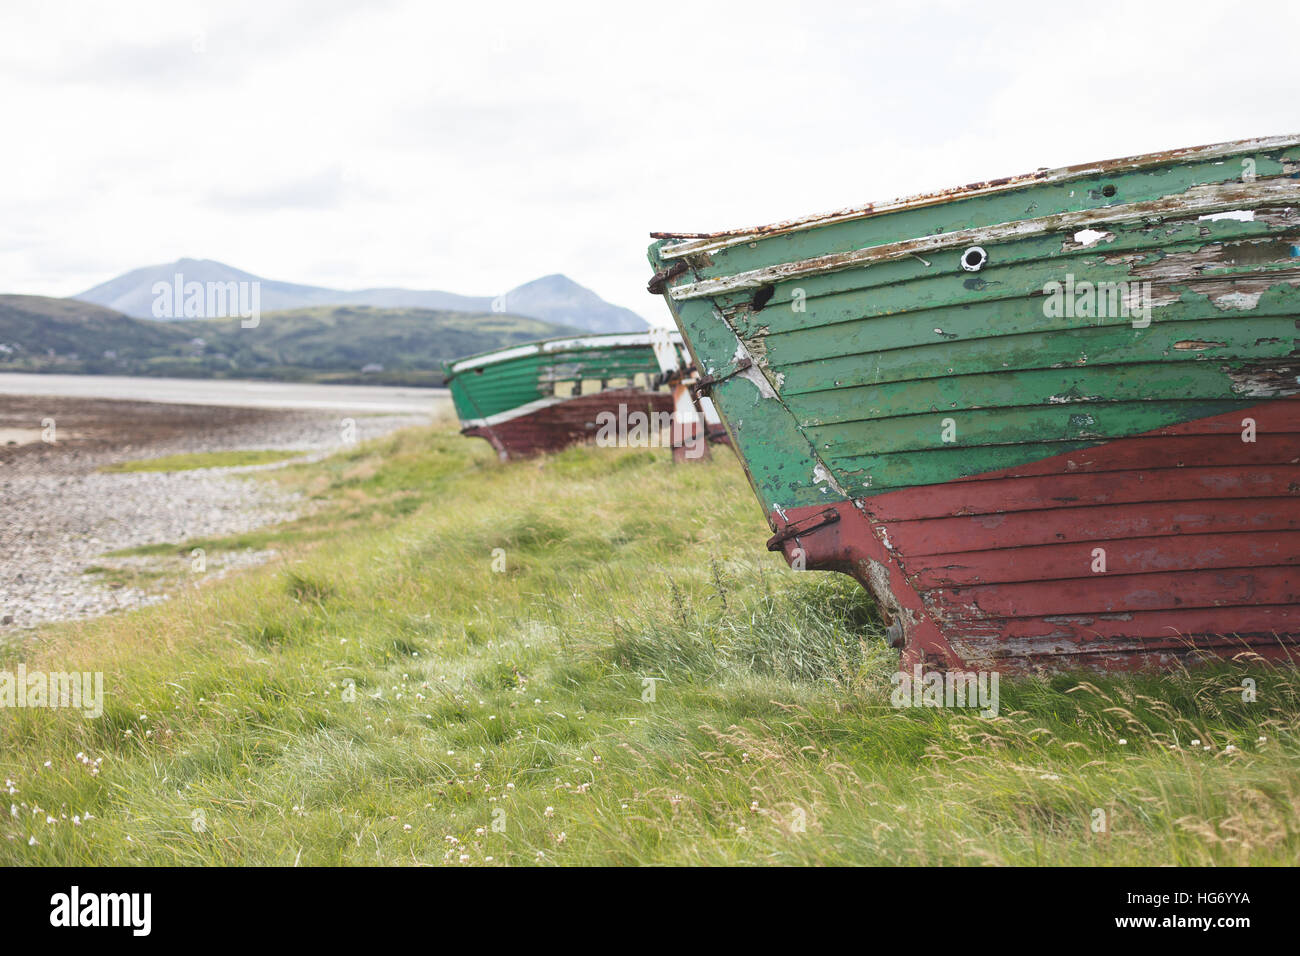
x: 1048, y: 420
x: 542, y: 396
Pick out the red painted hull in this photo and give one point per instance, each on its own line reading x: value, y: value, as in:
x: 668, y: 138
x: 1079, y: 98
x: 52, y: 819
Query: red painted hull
x: 1200, y: 534
x: 565, y: 423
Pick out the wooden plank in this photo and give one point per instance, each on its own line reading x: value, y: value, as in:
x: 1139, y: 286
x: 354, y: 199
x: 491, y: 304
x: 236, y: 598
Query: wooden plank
x: 1121, y: 556
x: 1052, y: 190
x: 1118, y: 594
x: 921, y: 539
x: 1083, y: 491
x: 1077, y: 388
x: 1010, y: 426
x: 817, y: 301
x: 1242, y: 338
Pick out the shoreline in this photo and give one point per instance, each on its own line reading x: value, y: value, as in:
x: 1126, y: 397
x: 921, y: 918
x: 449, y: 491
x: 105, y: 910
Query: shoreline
x: 60, y: 515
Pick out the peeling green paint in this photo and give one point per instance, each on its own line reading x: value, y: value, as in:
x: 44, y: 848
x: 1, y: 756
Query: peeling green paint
x: 913, y: 371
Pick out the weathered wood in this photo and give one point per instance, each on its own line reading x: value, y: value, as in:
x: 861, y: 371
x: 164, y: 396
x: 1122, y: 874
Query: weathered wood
x: 1121, y: 369
x: 516, y: 397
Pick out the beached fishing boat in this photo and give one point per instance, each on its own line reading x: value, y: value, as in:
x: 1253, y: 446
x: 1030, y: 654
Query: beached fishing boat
x: 543, y: 396
x: 1049, y: 420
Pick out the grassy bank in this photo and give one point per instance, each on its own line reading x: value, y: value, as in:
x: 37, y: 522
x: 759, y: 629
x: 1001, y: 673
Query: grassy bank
x: 452, y: 662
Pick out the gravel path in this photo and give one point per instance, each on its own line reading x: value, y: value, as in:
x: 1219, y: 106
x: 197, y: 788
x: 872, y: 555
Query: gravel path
x: 59, y: 514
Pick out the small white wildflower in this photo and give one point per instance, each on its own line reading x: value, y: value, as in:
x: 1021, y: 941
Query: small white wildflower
x: 549, y: 812
x: 1122, y: 742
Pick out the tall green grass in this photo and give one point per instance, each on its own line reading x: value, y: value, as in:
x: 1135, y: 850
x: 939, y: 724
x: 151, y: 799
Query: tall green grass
x: 591, y: 658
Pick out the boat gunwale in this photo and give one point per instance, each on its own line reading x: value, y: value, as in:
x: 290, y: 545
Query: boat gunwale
x: 1209, y: 200
x: 596, y: 340
x: 704, y: 242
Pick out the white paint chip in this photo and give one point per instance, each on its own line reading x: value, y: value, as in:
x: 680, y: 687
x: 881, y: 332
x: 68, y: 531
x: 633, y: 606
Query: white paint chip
x: 1090, y: 237
x: 1239, y: 215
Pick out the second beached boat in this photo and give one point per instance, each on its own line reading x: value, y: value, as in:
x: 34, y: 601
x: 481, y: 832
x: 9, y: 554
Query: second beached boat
x: 543, y: 396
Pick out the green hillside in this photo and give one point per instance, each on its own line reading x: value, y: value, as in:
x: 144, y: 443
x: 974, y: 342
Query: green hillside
x: 328, y: 343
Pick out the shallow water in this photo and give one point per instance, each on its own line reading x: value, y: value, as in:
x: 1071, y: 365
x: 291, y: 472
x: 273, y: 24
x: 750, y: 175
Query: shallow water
x: 240, y: 394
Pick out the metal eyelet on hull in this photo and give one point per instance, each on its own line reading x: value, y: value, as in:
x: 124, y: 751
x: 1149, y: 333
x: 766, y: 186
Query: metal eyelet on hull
x: 974, y: 258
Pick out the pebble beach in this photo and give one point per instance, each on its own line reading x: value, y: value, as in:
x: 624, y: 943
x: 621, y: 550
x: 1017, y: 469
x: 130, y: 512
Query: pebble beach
x: 60, y: 514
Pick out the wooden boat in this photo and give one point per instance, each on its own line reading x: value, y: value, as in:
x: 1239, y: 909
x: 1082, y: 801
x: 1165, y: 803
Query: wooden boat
x: 543, y: 396
x: 1050, y: 421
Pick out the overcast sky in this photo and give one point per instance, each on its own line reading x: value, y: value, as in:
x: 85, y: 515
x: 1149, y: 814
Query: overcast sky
x: 474, y: 146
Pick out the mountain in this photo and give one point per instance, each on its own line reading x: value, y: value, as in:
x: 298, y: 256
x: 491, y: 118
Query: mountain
x: 322, y: 343
x: 553, y: 298
x: 558, y: 298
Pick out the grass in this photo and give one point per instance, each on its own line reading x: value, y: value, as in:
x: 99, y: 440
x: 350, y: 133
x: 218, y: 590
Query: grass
x: 592, y: 659
x: 207, y: 459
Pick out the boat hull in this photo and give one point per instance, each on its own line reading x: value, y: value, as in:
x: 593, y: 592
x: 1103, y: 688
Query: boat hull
x: 1049, y: 421
x: 1136, y: 553
x: 540, y: 397
x: 553, y: 427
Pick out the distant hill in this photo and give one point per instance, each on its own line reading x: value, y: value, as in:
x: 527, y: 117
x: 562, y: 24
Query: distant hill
x: 34, y: 328
x: 553, y: 298
x: 356, y: 344
x: 558, y: 298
